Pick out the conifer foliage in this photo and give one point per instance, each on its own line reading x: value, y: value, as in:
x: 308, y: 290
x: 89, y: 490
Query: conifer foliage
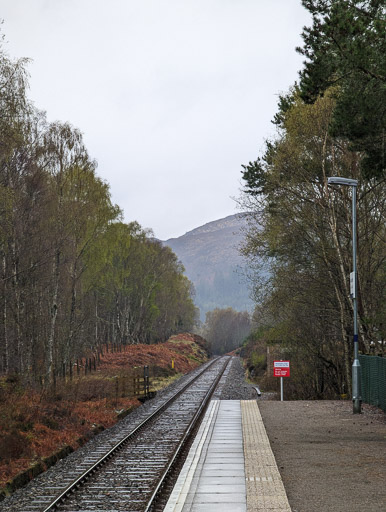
x: 346, y: 47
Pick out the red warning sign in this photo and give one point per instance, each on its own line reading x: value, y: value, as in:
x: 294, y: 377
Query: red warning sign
x: 281, y: 368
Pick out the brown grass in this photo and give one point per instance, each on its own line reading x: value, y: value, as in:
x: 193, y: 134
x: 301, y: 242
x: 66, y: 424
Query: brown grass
x: 35, y: 424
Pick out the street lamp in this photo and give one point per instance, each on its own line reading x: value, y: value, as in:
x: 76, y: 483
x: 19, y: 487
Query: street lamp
x: 356, y: 367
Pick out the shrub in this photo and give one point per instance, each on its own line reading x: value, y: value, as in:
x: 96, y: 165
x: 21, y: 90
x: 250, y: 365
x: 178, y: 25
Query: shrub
x: 14, y: 445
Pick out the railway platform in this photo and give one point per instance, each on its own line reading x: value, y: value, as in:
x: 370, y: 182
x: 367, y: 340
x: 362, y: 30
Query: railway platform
x: 230, y: 466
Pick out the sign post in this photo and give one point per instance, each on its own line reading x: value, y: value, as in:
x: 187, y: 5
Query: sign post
x: 281, y: 369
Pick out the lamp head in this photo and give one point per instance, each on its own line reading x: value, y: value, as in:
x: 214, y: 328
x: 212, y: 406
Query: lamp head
x: 337, y: 180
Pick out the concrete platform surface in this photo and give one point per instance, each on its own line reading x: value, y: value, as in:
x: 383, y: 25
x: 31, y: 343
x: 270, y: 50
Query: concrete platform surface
x: 230, y: 466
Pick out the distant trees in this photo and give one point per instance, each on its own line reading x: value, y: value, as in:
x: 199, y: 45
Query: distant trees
x: 72, y: 275
x: 140, y: 292
x: 226, y: 329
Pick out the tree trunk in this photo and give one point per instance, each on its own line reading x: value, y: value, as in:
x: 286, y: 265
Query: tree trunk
x: 69, y: 347
x: 5, y: 318
x: 54, y: 313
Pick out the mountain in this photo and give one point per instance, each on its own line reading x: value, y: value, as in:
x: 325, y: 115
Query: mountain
x: 210, y: 255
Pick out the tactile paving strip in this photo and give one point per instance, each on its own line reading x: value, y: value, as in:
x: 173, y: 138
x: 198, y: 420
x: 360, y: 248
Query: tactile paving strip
x: 265, y: 489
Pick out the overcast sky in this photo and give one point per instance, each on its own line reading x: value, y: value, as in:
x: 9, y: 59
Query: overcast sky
x: 172, y: 96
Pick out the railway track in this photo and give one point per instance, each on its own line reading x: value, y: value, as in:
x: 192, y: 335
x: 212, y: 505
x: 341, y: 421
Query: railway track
x: 131, y: 473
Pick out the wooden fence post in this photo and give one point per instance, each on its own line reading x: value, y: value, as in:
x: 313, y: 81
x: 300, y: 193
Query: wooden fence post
x: 54, y: 378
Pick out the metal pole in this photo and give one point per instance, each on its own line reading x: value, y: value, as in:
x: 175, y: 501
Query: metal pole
x: 281, y: 389
x: 356, y: 367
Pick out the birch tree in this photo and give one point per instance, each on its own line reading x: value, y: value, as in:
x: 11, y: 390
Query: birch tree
x: 306, y: 236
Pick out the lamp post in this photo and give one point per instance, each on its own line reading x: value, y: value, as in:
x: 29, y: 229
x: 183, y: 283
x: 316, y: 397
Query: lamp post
x: 356, y: 367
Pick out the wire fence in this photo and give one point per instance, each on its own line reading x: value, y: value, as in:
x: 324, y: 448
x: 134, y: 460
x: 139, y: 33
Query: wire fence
x: 140, y: 382
x: 373, y: 379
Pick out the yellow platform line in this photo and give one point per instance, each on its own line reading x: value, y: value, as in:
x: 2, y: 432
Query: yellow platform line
x: 265, y: 489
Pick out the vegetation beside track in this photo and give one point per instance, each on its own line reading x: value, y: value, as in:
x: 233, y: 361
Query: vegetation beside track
x: 37, y: 428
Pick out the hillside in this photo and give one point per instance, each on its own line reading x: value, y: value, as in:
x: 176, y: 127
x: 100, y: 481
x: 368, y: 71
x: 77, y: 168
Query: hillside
x: 210, y: 255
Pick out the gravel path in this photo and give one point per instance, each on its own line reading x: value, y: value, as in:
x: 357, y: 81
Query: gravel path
x: 330, y: 460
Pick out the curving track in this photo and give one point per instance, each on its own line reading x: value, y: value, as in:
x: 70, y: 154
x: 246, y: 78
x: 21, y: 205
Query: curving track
x: 128, y: 472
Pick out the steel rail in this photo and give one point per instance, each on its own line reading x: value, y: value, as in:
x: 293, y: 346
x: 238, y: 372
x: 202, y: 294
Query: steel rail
x: 100, y: 462
x: 188, y: 432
